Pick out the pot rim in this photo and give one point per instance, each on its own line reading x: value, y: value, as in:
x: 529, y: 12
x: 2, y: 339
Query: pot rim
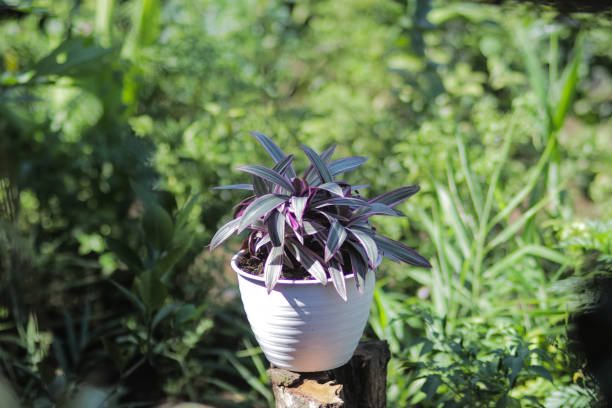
x: 247, y: 275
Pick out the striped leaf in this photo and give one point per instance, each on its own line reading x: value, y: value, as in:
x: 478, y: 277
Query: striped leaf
x: 235, y: 187
x: 367, y: 243
x: 359, y: 268
x: 344, y: 201
x: 273, y: 150
x: 269, y: 175
x: 312, y: 227
x: 398, y: 252
x: 276, y: 228
x: 333, y: 188
x: 335, y: 239
x: 337, y: 276
x: 260, y: 186
x: 318, y: 164
x: 224, y: 233
x: 310, y: 175
x: 262, y: 205
x: 308, y: 259
x: 273, y: 267
x: 346, y: 164
x: 298, y: 206
x: 394, y: 197
x: 282, y: 166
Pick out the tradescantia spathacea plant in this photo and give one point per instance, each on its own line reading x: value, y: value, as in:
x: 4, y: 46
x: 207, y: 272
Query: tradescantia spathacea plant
x: 314, y: 221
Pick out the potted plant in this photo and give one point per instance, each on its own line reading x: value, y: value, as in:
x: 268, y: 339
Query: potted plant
x: 306, y: 267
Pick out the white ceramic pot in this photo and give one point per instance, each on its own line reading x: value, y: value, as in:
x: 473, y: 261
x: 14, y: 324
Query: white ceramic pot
x: 302, y: 325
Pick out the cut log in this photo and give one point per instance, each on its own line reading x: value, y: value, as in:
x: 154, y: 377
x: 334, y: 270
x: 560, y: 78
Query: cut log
x: 361, y: 383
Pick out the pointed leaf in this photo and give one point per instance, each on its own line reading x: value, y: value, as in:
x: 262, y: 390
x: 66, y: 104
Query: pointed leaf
x: 396, y: 251
x: 259, y: 207
x: 268, y: 174
x: 431, y: 385
x: 335, y: 271
x: 262, y: 241
x: 312, y: 227
x: 318, y: 164
x: 298, y: 205
x: 359, y: 268
x: 367, y: 243
x: 335, y: 239
x: 260, y: 186
x: 273, y: 150
x: 309, y: 261
x: 125, y: 254
x: 394, y: 197
x: 130, y: 295
x: 273, y: 267
x: 163, y: 313
x: 282, y: 166
x: 344, y: 201
x: 346, y: 164
x: 310, y: 175
x: 276, y: 228
x: 224, y: 233
x: 333, y: 188
x: 235, y: 187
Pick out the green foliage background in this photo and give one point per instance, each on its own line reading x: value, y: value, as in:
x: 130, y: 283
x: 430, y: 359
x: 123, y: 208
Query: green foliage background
x: 119, y: 116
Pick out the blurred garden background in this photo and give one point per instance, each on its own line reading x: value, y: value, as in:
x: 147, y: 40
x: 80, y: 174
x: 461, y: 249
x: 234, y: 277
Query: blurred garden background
x: 117, y: 117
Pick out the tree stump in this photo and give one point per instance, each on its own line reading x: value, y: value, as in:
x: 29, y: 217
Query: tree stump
x: 361, y: 383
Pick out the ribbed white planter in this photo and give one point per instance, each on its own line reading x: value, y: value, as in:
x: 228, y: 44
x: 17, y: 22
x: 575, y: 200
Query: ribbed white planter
x: 302, y: 325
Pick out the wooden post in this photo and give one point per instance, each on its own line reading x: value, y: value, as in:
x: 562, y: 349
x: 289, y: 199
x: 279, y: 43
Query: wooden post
x: 361, y: 383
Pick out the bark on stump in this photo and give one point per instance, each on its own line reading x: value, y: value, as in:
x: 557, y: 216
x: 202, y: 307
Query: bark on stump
x: 361, y: 383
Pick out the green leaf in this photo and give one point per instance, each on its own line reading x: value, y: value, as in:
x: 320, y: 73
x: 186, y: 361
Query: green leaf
x: 273, y: 150
x: 163, y: 313
x: 75, y: 55
x: 262, y: 205
x: 273, y: 267
x: 184, y: 314
x: 541, y: 371
x: 158, y: 226
x: 535, y: 71
x: 318, y: 164
x: 130, y: 295
x: 269, y: 175
x: 473, y: 186
x: 182, y: 216
x: 511, y: 259
x: 151, y: 290
x: 452, y: 214
x: 164, y: 267
x: 431, y: 385
x: 145, y: 28
x: 515, y: 364
x: 569, y: 86
x: 125, y: 254
x: 337, y: 276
